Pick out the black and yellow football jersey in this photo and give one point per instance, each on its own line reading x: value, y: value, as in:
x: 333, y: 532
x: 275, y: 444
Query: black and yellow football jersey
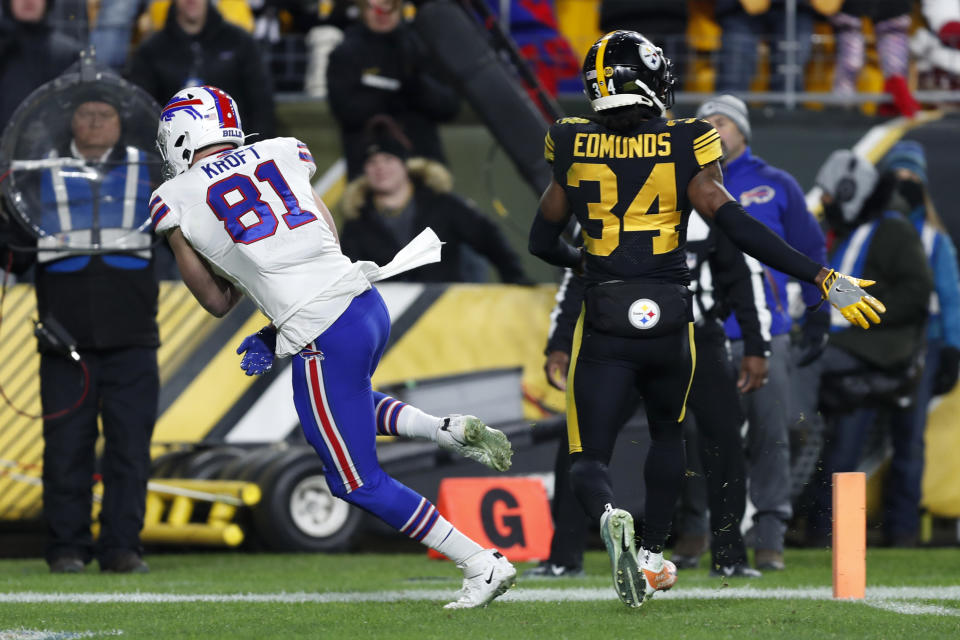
x: 629, y: 191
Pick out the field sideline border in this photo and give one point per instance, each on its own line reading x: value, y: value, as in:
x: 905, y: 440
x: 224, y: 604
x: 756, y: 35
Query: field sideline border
x: 893, y: 599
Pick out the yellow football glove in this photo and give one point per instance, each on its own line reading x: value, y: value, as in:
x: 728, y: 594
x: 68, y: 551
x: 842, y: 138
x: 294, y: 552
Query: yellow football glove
x: 847, y: 295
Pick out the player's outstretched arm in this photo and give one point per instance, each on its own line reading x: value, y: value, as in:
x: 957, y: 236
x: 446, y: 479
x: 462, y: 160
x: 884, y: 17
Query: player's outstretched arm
x: 214, y: 294
x: 711, y: 199
x: 551, y: 219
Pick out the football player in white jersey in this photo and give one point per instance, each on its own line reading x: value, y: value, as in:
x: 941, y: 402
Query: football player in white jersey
x: 244, y: 220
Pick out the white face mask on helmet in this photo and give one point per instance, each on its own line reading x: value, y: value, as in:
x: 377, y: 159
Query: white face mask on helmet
x: 196, y: 117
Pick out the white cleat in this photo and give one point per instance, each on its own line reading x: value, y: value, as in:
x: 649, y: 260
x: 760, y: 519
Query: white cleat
x: 486, y: 575
x: 616, y: 530
x: 468, y: 436
x: 658, y: 574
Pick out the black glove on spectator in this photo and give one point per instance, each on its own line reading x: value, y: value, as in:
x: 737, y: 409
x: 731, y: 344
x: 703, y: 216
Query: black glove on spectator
x: 814, y: 337
x: 946, y: 377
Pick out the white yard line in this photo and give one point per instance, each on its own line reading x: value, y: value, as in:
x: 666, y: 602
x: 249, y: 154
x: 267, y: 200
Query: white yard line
x: 43, y: 634
x: 895, y: 599
x: 911, y: 609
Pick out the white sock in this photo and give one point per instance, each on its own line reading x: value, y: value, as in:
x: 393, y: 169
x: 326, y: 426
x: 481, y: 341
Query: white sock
x: 448, y: 540
x: 651, y: 561
x: 414, y: 423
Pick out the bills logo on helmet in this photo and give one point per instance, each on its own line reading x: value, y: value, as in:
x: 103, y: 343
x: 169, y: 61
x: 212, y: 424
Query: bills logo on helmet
x: 758, y: 195
x: 650, y: 56
x: 644, y: 314
x: 181, y: 103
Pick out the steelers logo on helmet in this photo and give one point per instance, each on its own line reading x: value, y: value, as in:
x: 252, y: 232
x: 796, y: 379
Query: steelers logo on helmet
x: 623, y: 68
x: 650, y: 56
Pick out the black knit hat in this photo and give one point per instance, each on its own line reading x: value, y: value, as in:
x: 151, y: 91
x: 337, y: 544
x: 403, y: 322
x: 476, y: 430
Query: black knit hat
x: 383, y: 135
x: 386, y: 144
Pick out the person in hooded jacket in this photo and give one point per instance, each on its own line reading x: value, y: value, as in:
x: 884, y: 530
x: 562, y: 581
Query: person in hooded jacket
x: 860, y: 375
x: 198, y: 47
x: 31, y: 52
x: 398, y: 196
x: 383, y: 67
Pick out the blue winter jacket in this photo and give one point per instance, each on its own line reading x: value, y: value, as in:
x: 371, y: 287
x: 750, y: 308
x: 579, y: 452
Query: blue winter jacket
x: 944, y: 322
x: 774, y: 198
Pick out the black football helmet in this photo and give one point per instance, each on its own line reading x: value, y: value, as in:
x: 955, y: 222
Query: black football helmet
x: 624, y: 68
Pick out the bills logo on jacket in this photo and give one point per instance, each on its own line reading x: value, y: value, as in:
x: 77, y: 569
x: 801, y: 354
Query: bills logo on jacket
x: 758, y: 195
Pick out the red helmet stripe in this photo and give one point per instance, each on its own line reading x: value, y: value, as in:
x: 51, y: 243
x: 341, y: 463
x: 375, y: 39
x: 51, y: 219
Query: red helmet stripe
x: 181, y: 103
x: 228, y: 117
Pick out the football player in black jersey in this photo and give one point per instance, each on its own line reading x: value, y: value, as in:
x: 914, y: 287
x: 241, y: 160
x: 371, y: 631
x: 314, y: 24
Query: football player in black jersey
x: 631, y: 178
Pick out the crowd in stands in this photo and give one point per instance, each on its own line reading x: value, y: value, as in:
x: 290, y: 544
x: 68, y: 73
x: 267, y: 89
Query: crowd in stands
x: 389, y: 102
x: 842, y: 46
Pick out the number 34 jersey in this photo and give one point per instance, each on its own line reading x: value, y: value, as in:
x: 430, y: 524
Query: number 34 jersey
x: 629, y: 191
x: 250, y: 212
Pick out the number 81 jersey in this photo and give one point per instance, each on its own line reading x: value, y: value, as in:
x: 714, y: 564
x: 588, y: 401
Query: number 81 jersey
x: 628, y: 190
x: 250, y: 212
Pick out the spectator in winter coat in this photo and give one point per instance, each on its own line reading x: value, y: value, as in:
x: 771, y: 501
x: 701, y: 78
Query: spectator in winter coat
x: 31, y: 53
x: 861, y: 374
x: 382, y: 67
x: 772, y: 196
x: 398, y: 196
x: 197, y: 47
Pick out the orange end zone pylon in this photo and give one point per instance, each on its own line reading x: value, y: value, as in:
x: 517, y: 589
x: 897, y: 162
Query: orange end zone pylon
x: 849, y: 535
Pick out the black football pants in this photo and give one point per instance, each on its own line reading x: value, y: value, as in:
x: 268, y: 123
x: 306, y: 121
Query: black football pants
x: 607, y: 374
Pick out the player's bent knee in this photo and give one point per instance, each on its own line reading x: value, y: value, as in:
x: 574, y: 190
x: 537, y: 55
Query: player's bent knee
x: 364, y: 496
x: 666, y: 431
x: 584, y: 471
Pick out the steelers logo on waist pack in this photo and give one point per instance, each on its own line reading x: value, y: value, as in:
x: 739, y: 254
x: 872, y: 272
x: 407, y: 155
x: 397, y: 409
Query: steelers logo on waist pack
x: 644, y: 314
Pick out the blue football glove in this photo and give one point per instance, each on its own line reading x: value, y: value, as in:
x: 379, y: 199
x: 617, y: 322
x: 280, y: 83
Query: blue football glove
x: 259, y: 348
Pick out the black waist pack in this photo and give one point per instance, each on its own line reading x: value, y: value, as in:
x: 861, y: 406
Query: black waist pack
x: 636, y: 309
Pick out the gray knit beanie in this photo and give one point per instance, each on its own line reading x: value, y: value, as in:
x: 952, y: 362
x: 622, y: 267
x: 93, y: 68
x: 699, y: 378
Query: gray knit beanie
x: 731, y: 107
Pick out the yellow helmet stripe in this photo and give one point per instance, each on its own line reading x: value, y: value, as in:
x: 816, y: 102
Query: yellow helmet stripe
x: 601, y: 78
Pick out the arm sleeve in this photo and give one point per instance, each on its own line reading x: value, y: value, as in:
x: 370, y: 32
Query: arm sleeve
x: 803, y: 233
x: 566, y: 311
x: 545, y: 243
x: 947, y: 281
x: 742, y: 288
x: 755, y: 238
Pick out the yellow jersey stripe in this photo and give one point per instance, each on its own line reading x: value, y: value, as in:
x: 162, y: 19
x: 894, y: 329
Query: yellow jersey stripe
x: 704, y: 136
x: 703, y: 143
x: 709, y: 153
x: 573, y: 424
x: 601, y: 78
x: 693, y: 368
x: 548, y: 148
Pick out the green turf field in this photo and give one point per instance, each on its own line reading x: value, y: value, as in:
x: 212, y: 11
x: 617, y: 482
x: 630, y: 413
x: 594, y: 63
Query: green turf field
x: 910, y: 593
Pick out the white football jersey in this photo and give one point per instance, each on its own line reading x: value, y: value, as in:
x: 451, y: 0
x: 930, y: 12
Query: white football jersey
x: 250, y: 212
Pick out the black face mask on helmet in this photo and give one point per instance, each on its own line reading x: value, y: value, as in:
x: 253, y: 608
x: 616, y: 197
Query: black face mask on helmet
x: 911, y: 191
